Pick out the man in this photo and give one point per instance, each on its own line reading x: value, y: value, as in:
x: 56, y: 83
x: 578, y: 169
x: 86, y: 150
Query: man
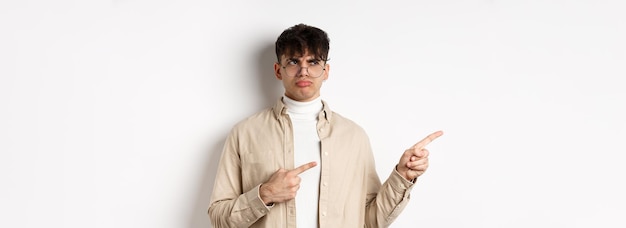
x: 301, y: 164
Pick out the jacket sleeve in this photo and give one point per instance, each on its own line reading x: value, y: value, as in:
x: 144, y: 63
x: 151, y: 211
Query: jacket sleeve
x: 386, y: 202
x: 230, y: 206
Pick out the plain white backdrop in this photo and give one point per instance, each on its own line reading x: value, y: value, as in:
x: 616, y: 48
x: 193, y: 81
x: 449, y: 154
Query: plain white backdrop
x: 114, y: 113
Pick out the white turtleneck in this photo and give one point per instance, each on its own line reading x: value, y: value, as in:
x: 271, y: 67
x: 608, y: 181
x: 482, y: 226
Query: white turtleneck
x: 304, y: 116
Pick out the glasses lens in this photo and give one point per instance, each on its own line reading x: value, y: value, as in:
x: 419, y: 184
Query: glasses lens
x: 316, y: 70
x: 313, y: 70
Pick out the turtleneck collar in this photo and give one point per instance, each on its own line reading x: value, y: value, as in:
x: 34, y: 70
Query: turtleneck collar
x: 303, y: 110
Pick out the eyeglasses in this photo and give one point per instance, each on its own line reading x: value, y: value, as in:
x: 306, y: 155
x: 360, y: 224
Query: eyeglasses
x: 314, y: 70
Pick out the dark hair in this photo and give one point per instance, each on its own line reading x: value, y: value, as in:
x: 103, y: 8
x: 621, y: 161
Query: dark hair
x: 300, y: 38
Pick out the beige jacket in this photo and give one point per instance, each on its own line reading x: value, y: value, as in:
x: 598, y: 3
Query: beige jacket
x: 351, y: 194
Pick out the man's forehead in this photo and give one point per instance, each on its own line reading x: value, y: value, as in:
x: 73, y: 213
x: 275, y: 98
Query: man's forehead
x: 291, y: 53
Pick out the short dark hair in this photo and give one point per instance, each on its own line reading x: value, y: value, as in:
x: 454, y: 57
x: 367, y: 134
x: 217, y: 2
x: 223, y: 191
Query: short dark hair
x: 300, y: 38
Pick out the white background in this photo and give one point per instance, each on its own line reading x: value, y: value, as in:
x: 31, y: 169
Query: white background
x: 113, y: 113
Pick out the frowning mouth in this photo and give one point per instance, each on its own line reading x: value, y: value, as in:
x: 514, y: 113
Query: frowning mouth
x: 303, y: 83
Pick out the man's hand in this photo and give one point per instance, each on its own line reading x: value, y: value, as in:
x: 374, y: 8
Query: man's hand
x: 283, y: 184
x: 414, y: 161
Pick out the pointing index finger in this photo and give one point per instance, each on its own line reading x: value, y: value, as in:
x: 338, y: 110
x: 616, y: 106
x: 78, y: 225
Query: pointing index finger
x: 428, y: 139
x: 303, y: 168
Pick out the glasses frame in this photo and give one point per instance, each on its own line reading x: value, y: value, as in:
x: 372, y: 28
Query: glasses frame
x: 307, y: 70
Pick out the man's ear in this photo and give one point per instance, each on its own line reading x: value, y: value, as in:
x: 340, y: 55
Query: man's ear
x: 326, y: 71
x: 277, y: 71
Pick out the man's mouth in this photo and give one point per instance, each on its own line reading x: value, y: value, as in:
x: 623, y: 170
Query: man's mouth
x: 303, y: 83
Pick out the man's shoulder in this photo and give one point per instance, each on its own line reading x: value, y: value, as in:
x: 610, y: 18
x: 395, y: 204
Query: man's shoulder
x: 344, y: 122
x: 262, y: 117
x: 343, y: 119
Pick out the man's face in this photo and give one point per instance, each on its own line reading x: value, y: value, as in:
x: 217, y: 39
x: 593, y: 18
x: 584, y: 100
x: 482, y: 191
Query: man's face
x: 301, y: 84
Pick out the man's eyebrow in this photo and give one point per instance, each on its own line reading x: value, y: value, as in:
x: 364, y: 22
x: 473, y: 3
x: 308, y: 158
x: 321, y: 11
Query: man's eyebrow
x: 313, y: 60
x: 297, y: 58
x: 293, y: 59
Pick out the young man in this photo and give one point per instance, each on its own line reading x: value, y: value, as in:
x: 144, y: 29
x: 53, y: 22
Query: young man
x: 301, y: 164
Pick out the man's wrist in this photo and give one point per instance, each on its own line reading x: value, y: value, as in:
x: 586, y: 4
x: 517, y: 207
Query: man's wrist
x: 404, y: 175
x: 266, y: 201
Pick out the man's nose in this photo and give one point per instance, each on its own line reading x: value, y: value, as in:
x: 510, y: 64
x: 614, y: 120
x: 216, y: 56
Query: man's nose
x: 304, y: 71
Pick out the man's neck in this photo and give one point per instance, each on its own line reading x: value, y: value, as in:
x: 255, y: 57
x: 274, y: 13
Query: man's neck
x: 306, y: 109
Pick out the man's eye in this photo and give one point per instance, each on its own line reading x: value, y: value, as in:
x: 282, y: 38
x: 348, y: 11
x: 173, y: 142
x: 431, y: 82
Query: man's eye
x: 314, y: 62
x: 292, y: 62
